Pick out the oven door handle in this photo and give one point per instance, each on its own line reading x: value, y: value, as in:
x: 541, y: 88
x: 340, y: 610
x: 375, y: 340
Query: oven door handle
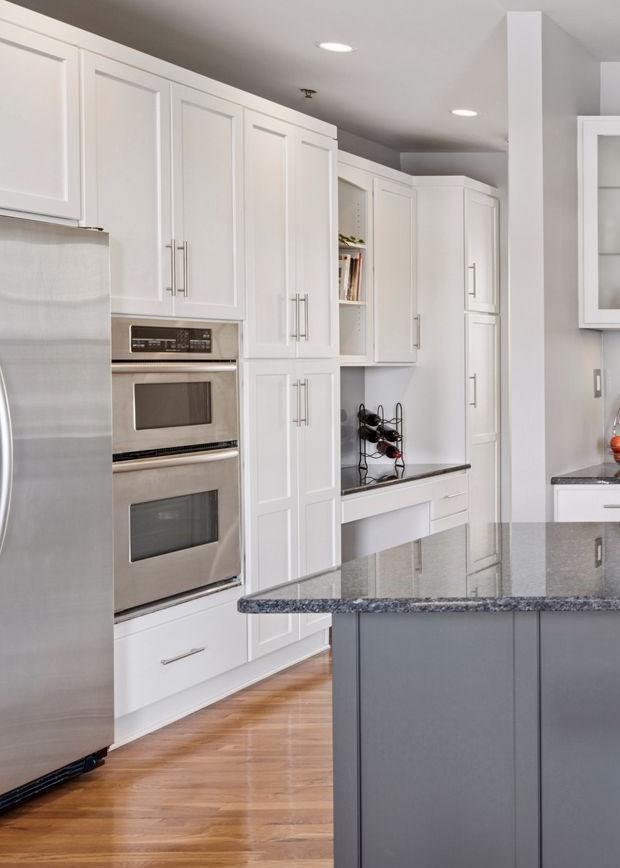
x: 172, y: 368
x: 175, y: 460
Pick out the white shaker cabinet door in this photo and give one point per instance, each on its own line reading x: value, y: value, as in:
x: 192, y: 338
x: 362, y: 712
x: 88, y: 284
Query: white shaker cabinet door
x: 207, y: 156
x: 126, y: 164
x: 271, y: 494
x: 316, y: 265
x: 483, y: 438
x: 319, y: 475
x: 272, y: 310
x: 397, y: 327
x: 39, y: 112
x: 481, y: 242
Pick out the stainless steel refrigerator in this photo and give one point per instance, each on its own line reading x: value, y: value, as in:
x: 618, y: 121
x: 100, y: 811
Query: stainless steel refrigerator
x: 56, y: 583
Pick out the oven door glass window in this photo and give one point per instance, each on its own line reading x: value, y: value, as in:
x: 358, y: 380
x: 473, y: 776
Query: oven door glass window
x: 172, y: 405
x: 158, y: 527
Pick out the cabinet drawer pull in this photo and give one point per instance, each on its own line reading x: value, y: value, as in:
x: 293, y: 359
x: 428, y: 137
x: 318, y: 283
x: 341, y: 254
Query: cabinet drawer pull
x: 418, y: 320
x: 306, y: 332
x: 295, y: 300
x: 172, y: 247
x: 189, y: 653
x: 472, y: 268
x: 611, y: 506
x: 184, y: 290
x: 474, y: 379
x: 450, y: 496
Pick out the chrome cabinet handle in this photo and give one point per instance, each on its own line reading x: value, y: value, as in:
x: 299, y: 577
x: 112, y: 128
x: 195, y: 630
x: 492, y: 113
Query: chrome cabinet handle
x: 474, y: 403
x: 296, y: 386
x: 451, y: 496
x: 184, y: 290
x: 306, y: 332
x: 172, y: 289
x: 295, y: 300
x: 175, y: 368
x: 418, y: 319
x: 305, y: 420
x: 6, y: 459
x: 190, y: 653
x: 472, y: 268
x: 611, y: 506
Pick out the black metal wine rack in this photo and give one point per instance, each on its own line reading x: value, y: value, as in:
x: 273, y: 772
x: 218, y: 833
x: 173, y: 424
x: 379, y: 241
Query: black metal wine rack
x: 396, y: 422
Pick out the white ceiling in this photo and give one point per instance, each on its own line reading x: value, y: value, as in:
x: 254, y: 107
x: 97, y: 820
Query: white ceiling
x: 415, y: 59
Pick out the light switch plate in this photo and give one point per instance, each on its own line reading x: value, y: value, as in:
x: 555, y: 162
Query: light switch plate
x: 598, y: 383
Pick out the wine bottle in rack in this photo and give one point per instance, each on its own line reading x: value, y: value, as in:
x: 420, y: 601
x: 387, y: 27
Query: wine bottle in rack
x: 389, y: 450
x: 369, y: 434
x: 368, y: 418
x: 389, y: 434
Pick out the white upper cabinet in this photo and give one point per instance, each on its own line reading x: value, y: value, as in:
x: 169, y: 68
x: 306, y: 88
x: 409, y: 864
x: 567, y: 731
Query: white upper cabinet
x: 481, y: 245
x: 290, y: 240
x: 40, y: 138
x: 599, y: 222
x: 126, y: 165
x: 397, y: 326
x: 273, y: 311
x: 316, y: 245
x: 207, y: 158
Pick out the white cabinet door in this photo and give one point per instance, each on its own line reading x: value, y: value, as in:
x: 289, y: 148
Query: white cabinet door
x: 207, y: 148
x: 126, y: 164
x: 396, y: 322
x: 315, y: 227
x: 272, y: 323
x: 271, y: 486
x: 483, y: 438
x: 481, y: 245
x: 599, y: 222
x: 318, y: 475
x: 40, y: 139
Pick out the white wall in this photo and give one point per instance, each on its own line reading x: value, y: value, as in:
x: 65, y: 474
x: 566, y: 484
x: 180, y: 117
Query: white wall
x: 368, y: 149
x: 556, y: 422
x: 571, y: 87
x: 610, y: 105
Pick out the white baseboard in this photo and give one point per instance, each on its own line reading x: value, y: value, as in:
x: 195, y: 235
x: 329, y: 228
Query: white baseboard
x: 152, y: 717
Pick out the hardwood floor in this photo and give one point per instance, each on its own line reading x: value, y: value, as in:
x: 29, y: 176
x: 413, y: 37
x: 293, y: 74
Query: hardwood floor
x: 245, y: 782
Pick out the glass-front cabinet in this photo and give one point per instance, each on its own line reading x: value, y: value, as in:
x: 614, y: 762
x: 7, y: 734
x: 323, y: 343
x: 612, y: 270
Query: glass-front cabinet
x: 599, y: 222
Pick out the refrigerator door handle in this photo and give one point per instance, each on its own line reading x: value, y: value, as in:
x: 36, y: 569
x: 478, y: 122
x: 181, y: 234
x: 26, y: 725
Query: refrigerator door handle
x: 6, y: 459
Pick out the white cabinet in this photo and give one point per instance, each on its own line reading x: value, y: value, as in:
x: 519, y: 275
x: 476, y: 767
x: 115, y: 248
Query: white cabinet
x: 292, y: 484
x: 126, y: 165
x: 481, y: 245
x: 163, y: 174
x: 290, y: 244
x: 599, y: 222
x: 483, y: 438
x: 40, y: 140
x: 207, y: 160
x: 397, y: 326
x: 587, y: 502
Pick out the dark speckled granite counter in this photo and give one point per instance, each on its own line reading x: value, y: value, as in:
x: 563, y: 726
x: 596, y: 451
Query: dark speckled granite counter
x: 559, y: 567
x: 354, y: 480
x: 598, y: 474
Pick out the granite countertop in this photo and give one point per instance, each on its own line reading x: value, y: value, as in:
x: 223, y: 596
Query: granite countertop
x: 598, y: 474
x: 353, y: 480
x: 556, y: 567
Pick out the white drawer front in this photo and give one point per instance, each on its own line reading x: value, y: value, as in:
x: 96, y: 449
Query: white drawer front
x: 587, y: 503
x: 449, y: 521
x: 450, y: 495
x: 387, y: 499
x: 163, y: 660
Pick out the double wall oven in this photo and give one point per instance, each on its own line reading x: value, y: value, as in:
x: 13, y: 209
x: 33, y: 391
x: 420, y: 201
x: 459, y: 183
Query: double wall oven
x: 176, y: 458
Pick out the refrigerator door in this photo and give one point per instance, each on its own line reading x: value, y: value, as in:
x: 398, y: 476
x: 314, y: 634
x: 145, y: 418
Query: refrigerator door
x: 56, y: 580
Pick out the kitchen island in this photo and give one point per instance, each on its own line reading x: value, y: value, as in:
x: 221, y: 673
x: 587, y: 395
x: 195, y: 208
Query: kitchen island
x: 476, y: 714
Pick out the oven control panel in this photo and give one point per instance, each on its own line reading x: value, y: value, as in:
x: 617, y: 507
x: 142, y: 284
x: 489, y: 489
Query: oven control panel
x: 155, y: 339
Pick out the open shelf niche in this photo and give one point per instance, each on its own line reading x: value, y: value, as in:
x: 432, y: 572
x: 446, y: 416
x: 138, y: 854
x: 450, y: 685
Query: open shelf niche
x: 354, y: 220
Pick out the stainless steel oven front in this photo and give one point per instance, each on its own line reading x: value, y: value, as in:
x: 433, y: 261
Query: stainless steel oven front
x: 176, y: 458
x: 176, y: 525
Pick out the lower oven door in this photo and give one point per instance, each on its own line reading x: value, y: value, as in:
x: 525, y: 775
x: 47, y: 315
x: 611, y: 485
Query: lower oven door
x: 176, y: 525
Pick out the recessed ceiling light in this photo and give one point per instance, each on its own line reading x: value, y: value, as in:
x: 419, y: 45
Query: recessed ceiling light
x: 340, y: 47
x: 465, y: 113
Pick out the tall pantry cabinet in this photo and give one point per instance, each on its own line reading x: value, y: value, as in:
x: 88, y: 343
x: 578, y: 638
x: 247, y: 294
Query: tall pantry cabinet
x: 456, y: 389
x: 292, y: 478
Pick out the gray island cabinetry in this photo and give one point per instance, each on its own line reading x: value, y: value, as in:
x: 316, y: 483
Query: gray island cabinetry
x: 476, y: 715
